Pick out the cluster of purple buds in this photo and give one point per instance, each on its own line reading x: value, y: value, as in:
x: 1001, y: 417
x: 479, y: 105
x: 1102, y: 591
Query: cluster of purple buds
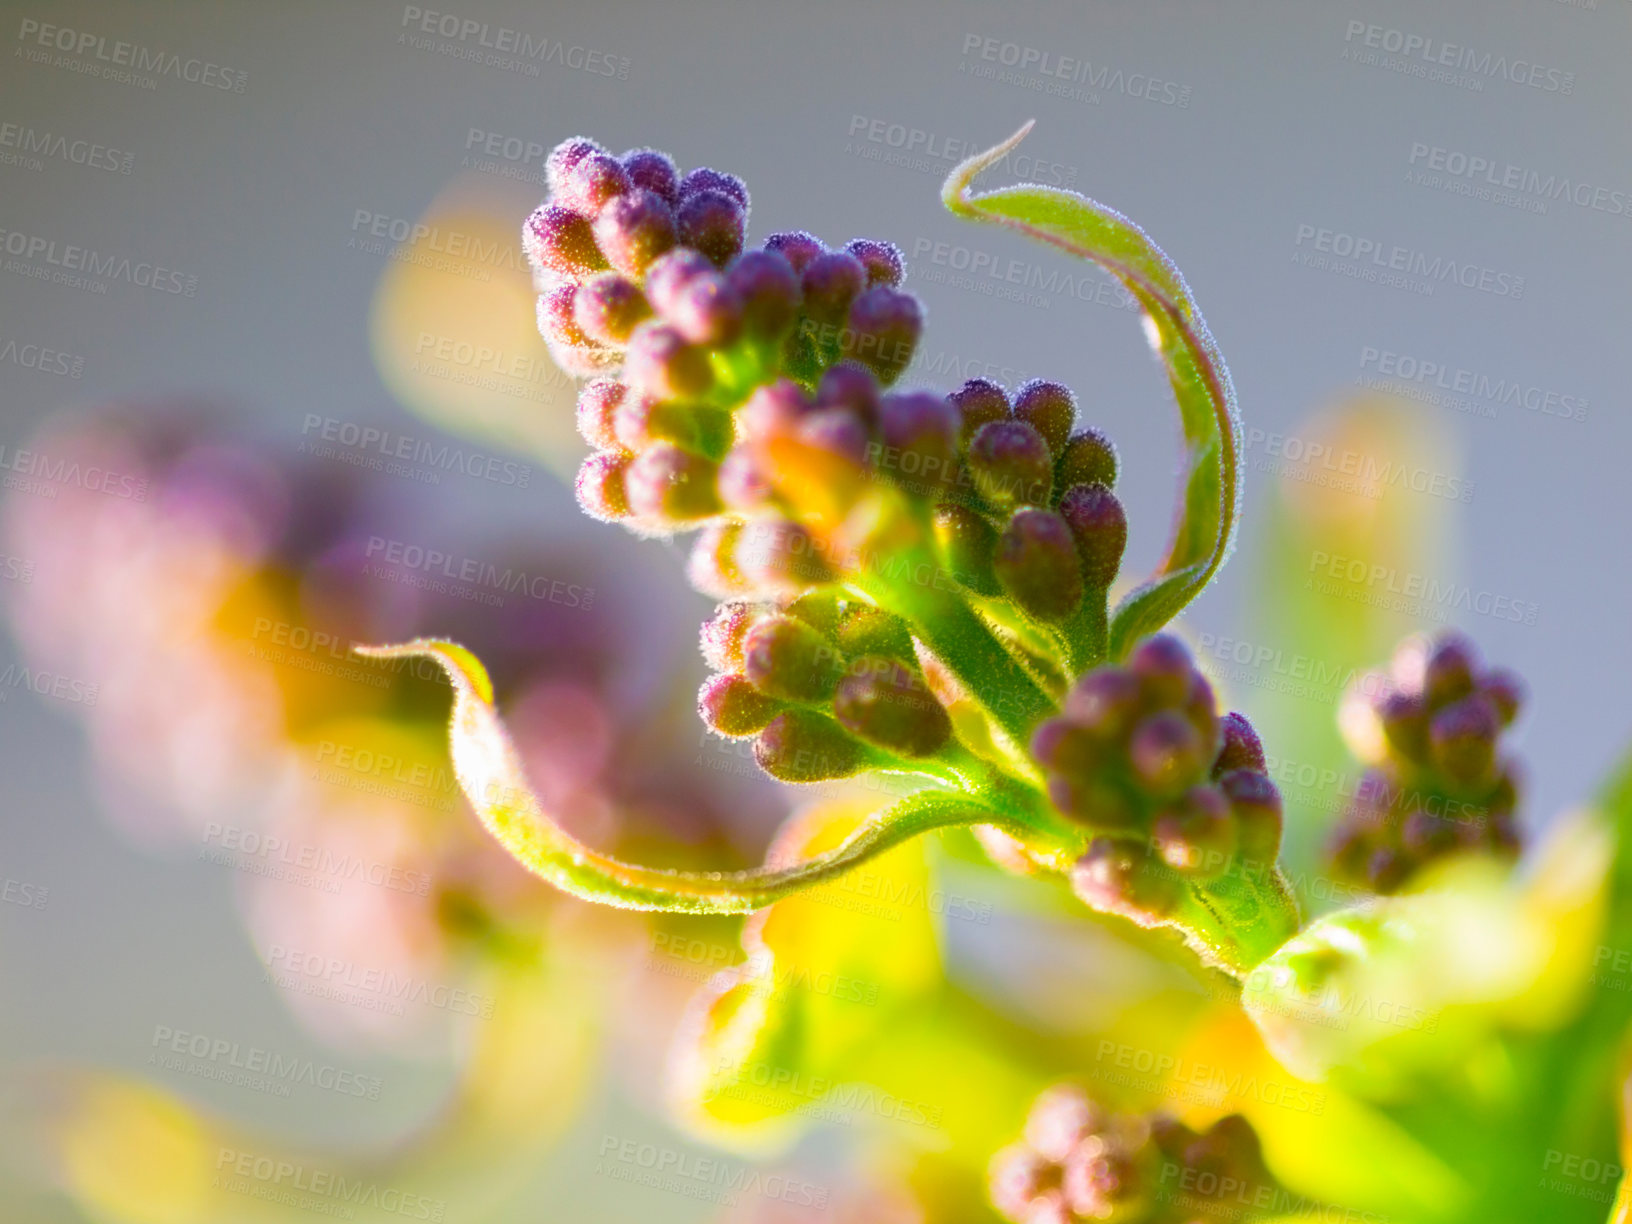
x: 1438, y: 782
x: 1079, y: 1163
x: 1173, y: 792
x: 825, y: 686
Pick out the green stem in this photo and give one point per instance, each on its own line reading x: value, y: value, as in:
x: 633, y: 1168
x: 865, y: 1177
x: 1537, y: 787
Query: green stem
x: 1086, y: 634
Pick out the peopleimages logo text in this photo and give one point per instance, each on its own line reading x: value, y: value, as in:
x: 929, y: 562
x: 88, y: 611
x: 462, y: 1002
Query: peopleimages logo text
x: 1461, y: 58
x: 131, y: 55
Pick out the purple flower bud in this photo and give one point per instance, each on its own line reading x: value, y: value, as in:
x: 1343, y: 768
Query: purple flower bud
x: 601, y: 487
x: 885, y: 325
x: 712, y: 566
x: 804, y: 746
x: 592, y: 180
x: 981, y: 402
x: 772, y: 409
x: 838, y: 430
x: 570, y: 348
x: 1196, y: 836
x: 670, y: 485
x: 608, y: 308
x: 888, y: 705
x: 1257, y: 808
x: 558, y: 240
x: 1404, y: 719
x: 1242, y: 749
x: 883, y: 261
x: 564, y: 157
x: 769, y: 290
x: 797, y: 247
x: 920, y: 435
x: 1036, y: 562
x: 1462, y: 740
x: 1448, y: 674
x: 743, y: 483
x: 1089, y: 458
x: 1050, y: 408
x: 1167, y: 754
x: 1123, y: 877
x: 598, y: 401
x: 732, y: 706
x: 1011, y: 465
x: 1426, y: 835
x: 1165, y: 669
x: 713, y: 223
x: 662, y: 365
x: 1506, y: 693
x: 968, y: 544
x: 1106, y: 701
x: 1100, y: 529
x: 653, y: 171
x: 634, y: 230
x: 722, y: 635
x: 787, y: 658
x: 706, y: 310
x: 1065, y: 746
x: 831, y: 282
x: 850, y: 387
x: 703, y: 179
x: 669, y: 275
x: 779, y: 555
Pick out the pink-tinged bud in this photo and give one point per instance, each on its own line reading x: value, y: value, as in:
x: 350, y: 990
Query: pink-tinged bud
x: 711, y: 566
x: 1257, y: 808
x: 1089, y: 458
x: 776, y: 555
x: 732, y: 706
x: 1106, y: 701
x: 742, y: 482
x: 889, y: 706
x: 1165, y: 668
x: 1062, y: 745
x: 703, y: 179
x: 1036, y: 561
x: 1050, y: 408
x: 804, y: 746
x: 1462, y: 740
x: 1505, y: 691
x: 601, y: 487
x: 653, y: 171
x: 785, y: 657
x: 980, y: 402
x: 722, y: 634
x: 1011, y: 465
x: 831, y: 282
x: 608, y: 308
x: 564, y: 157
x: 706, y: 311
x: 1404, y: 719
x: 850, y: 387
x: 641, y: 421
x: 837, y: 430
x: 883, y: 261
x: 634, y: 230
x: 1167, y: 754
x: 1099, y: 801
x: 1100, y: 529
x: 920, y: 436
x: 570, y: 348
x: 670, y: 274
x: 1196, y: 836
x: 1124, y: 877
x: 769, y: 289
x: 597, y: 406
x: 1448, y: 674
x: 1242, y: 749
x: 797, y: 247
x: 968, y: 544
x: 773, y: 409
x: 661, y: 364
x: 670, y: 485
x: 885, y: 325
x: 591, y: 182
x: 558, y: 240
x: 713, y: 223
x: 1060, y: 1119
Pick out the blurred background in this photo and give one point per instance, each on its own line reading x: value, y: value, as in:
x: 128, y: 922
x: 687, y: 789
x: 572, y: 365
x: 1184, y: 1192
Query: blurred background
x: 270, y: 384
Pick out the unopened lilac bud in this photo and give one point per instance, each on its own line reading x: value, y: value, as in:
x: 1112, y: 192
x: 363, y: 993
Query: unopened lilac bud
x: 1242, y: 749
x: 1506, y: 693
x: 1099, y: 801
x: 668, y: 484
x: 1124, y: 877
x: 1062, y: 745
x: 980, y: 402
x: 601, y: 487
x: 1100, y: 529
x: 593, y: 180
x: 633, y: 230
x: 1167, y: 753
x: 1462, y: 740
x: 885, y: 325
x: 864, y: 630
x: 883, y: 260
x: 743, y: 483
x: 564, y: 157
x: 1256, y: 804
x: 804, y: 746
x: 641, y: 421
x: 1448, y: 673
x: 1036, y: 561
x: 598, y: 402
x: 781, y: 555
x: 654, y: 171
x: 769, y: 289
x: 1426, y: 835
x: 609, y: 307
x: 1106, y: 701
x: 704, y: 179
x: 821, y: 609
x: 713, y: 223
x: 889, y: 706
x: 1010, y: 464
x: 669, y: 275
x: 711, y: 565
x: 773, y: 409
x: 968, y: 544
x: 787, y: 658
x: 1089, y: 458
x: 1404, y: 720
x: 706, y: 311
x: 831, y: 282
x: 920, y: 441
x: 558, y: 240
x: 570, y: 348
x: 797, y: 247
x: 722, y: 634
x: 1165, y: 669
x: 1196, y: 836
x: 1050, y: 408
x: 661, y: 364
x: 732, y: 706
x: 838, y: 430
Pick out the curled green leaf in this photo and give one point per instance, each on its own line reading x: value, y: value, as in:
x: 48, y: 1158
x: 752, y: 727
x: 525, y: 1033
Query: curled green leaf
x: 1209, y: 506
x: 490, y: 774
